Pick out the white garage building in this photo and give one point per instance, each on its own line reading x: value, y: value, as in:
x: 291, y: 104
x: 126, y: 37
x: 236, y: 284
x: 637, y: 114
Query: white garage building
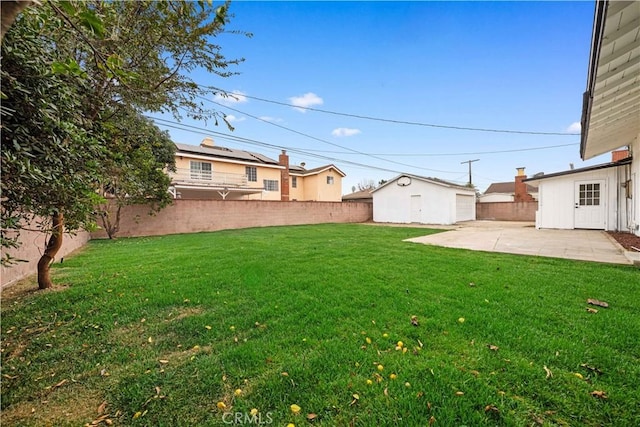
x: 416, y: 199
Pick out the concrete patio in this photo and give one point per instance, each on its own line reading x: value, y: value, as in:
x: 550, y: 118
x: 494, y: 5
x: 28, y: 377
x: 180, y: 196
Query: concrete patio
x: 523, y: 238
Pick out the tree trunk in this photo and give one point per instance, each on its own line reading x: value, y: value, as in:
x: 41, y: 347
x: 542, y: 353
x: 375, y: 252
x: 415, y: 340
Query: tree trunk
x: 53, y: 246
x: 10, y: 10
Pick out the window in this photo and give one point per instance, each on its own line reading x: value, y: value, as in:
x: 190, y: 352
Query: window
x: 270, y: 185
x: 200, y: 170
x: 252, y: 173
x: 330, y: 180
x: 294, y: 182
x: 589, y: 195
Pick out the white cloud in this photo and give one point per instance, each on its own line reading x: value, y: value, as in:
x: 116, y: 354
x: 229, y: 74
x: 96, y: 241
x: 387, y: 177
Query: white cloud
x: 233, y: 119
x: 345, y: 132
x: 271, y: 119
x: 307, y: 100
x: 235, y: 97
x: 574, y: 128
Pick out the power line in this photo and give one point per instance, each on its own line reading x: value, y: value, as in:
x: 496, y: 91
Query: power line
x: 323, y: 140
x: 221, y: 135
x: 403, y: 122
x: 455, y: 154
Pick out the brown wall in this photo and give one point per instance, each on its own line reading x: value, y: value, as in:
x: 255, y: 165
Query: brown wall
x: 507, y: 211
x: 190, y: 216
x: 31, y: 249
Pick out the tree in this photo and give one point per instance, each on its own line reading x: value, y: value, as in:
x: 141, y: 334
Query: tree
x: 70, y: 72
x: 134, y: 173
x: 366, y: 184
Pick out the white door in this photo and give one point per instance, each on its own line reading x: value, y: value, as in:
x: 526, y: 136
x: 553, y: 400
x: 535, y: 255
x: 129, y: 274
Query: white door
x: 589, y: 205
x: 464, y: 207
x: 416, y: 208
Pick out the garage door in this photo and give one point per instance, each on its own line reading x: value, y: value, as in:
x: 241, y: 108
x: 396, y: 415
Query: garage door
x: 465, y: 207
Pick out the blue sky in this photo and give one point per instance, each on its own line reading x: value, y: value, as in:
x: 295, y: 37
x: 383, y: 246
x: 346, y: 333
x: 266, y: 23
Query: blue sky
x: 518, y: 66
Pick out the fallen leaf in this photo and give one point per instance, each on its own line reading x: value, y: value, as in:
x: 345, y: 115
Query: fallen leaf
x: 591, y: 310
x: 221, y: 405
x: 102, y: 407
x: 578, y: 375
x: 295, y: 408
x: 432, y: 420
x: 284, y: 374
x: 598, y: 303
x: 599, y: 394
x: 312, y: 416
x: 414, y: 321
x: 591, y: 368
x: 491, y: 409
x: 459, y: 393
x: 99, y: 420
x: 386, y: 392
x: 163, y: 361
x: 548, y: 371
x: 493, y: 347
x: 60, y: 384
x: 473, y: 285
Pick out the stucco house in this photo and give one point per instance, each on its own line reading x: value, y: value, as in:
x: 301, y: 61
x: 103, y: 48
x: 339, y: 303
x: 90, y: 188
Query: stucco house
x: 416, y: 199
x: 605, y: 196
x: 209, y: 171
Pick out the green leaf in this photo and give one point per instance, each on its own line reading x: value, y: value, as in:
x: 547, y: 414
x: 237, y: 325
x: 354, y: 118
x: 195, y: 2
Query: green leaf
x: 91, y: 21
x: 68, y: 7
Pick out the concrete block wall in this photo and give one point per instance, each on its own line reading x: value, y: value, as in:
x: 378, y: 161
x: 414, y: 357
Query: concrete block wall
x: 507, y: 211
x: 31, y: 249
x: 191, y: 216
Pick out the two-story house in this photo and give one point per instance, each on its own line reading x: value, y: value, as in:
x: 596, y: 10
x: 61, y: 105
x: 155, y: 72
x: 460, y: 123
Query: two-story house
x: 209, y: 171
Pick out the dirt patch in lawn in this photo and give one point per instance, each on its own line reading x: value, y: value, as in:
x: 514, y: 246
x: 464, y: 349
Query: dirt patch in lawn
x: 626, y: 240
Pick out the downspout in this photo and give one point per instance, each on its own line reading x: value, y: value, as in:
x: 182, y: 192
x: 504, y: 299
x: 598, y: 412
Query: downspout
x: 587, y: 97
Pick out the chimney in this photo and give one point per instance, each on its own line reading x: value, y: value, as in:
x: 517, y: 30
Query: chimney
x: 521, y: 194
x: 283, y: 160
x: 207, y: 142
x: 616, y: 156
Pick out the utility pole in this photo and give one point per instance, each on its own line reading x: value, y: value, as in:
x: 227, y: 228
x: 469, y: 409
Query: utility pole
x: 470, y: 184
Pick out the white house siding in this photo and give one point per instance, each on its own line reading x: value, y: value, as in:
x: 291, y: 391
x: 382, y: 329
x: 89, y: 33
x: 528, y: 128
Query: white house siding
x: 557, y: 198
x: 420, y: 202
x: 634, y: 203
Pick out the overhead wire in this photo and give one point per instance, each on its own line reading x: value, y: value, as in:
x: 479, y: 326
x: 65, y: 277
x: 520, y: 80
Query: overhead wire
x: 403, y: 122
x: 221, y: 135
x: 323, y: 140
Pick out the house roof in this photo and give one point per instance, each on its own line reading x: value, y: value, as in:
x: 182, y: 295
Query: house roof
x: 611, y: 102
x: 431, y: 180
x: 580, y: 170
x: 304, y: 172
x: 507, y: 188
x: 225, y: 153
x: 358, y: 195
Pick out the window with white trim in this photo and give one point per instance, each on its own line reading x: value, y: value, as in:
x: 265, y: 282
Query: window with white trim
x: 294, y: 182
x: 330, y: 180
x: 252, y: 173
x: 270, y: 184
x: 589, y: 194
x: 200, y: 170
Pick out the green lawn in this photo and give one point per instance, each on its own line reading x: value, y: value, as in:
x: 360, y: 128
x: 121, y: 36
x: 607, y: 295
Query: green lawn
x: 163, y: 329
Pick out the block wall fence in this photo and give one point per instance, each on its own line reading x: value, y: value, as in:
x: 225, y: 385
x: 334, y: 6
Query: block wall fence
x: 507, y: 211
x: 193, y: 216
